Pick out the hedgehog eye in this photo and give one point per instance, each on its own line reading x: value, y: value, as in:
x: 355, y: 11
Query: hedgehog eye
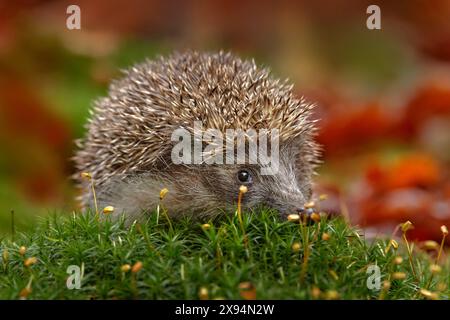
x: 244, y: 176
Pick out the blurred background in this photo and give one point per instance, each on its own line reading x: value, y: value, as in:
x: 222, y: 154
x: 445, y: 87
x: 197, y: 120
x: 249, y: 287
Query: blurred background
x: 383, y: 96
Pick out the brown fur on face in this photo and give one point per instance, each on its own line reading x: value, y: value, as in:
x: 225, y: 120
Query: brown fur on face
x: 128, y: 143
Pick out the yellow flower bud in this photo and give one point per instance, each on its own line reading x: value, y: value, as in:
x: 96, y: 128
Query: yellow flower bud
x: 310, y: 204
x: 398, y: 260
x: 293, y: 217
x: 399, y: 276
x: 325, y: 236
x: 315, y: 292
x: 331, y: 295
x: 22, y: 250
x: 394, y: 244
x: 136, y: 267
x: 203, y: 293
x: 125, y: 268
x: 315, y: 217
x: 428, y: 294
x: 296, y: 247
x: 407, y: 226
x: 86, y: 175
x: 163, y: 193
x: 247, y: 290
x: 430, y: 245
x: 25, y: 292
x: 435, y: 269
x: 206, y: 226
x: 30, y: 261
x: 108, y: 210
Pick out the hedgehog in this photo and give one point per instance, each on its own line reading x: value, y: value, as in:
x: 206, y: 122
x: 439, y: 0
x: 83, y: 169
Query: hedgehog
x: 128, y: 147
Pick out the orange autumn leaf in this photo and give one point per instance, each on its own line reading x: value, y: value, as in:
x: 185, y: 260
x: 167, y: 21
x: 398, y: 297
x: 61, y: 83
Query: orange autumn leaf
x: 395, y: 207
x: 353, y: 129
x: 417, y: 170
x: 430, y: 101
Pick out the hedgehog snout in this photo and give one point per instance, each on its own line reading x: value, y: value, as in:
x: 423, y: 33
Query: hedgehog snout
x: 284, y: 213
x: 286, y: 207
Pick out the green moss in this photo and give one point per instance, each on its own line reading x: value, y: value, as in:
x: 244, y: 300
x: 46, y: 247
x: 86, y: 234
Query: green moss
x: 178, y: 261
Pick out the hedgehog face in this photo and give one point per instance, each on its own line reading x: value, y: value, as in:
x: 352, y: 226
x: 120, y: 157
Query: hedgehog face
x: 285, y: 191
